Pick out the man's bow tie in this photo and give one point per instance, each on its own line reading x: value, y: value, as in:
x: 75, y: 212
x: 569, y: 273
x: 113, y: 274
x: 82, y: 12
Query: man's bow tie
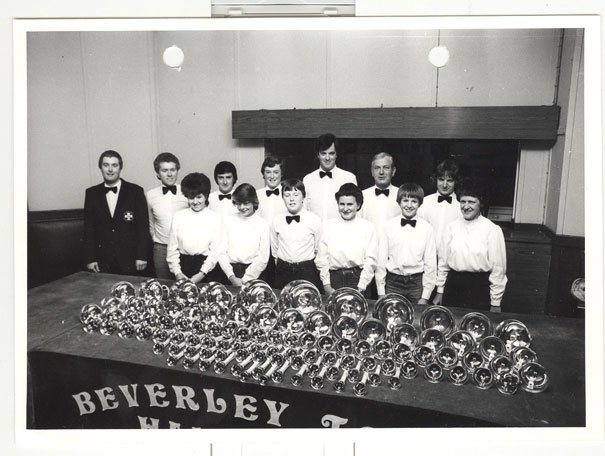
x: 323, y: 174
x: 275, y: 192
x: 289, y: 218
x: 169, y: 188
x: 111, y: 189
x: 405, y: 222
x: 382, y: 192
x: 222, y: 197
x: 441, y: 198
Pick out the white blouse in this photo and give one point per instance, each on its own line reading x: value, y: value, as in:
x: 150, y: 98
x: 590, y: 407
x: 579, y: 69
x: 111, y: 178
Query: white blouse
x: 194, y: 233
x: 245, y: 240
x: 474, y: 246
x: 348, y: 244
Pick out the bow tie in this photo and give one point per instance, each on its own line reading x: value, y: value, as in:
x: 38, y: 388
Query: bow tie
x: 323, y: 174
x: 111, y: 189
x: 169, y: 188
x: 273, y: 192
x: 405, y: 222
x: 382, y: 192
x: 441, y: 198
x: 289, y: 218
x: 222, y: 197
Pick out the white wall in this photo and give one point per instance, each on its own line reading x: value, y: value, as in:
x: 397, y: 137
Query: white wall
x: 112, y: 90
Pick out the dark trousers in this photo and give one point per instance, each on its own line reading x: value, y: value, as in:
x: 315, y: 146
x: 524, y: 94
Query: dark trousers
x: 113, y: 267
x: 287, y: 272
x: 409, y: 286
x: 346, y: 277
x: 467, y: 289
x: 239, y: 269
x: 268, y: 275
x: 191, y: 264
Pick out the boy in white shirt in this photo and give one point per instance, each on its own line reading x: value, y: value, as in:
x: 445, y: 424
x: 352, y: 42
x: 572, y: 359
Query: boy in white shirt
x: 295, y: 238
x: 349, y: 246
x: 407, y: 260
x: 271, y: 203
x: 442, y: 208
x: 225, y: 176
x: 163, y: 202
x: 322, y: 183
x: 245, y: 245
x: 195, y: 233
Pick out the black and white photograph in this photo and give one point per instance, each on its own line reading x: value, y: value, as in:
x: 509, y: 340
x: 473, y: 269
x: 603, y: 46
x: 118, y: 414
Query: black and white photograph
x: 272, y: 224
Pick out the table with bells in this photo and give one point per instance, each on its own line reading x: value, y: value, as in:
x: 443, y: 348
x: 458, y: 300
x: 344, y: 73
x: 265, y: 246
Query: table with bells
x: 122, y: 352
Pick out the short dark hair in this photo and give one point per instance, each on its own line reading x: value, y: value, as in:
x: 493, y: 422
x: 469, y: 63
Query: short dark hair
x: 225, y: 167
x: 270, y: 162
x: 411, y: 190
x: 194, y: 184
x: 447, y: 168
x: 245, y: 193
x: 165, y: 157
x: 108, y: 154
x: 350, y: 189
x: 293, y: 184
x: 474, y: 188
x: 324, y: 141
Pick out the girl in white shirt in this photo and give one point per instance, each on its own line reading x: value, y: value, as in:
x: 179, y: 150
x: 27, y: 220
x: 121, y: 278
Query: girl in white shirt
x: 348, y: 247
x: 472, y: 266
x: 245, y: 246
x: 195, y: 232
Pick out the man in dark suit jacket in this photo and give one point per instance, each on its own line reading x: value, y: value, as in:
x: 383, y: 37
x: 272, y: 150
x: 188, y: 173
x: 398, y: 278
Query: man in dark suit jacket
x: 116, y: 222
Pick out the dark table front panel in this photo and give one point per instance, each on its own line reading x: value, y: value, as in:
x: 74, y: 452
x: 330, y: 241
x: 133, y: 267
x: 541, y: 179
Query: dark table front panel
x: 64, y: 361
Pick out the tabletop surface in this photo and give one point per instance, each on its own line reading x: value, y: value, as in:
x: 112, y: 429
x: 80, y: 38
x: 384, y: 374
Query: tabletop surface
x: 54, y: 326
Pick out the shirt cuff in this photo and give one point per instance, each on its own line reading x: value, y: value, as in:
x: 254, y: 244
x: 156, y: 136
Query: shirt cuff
x: 426, y: 293
x: 440, y: 289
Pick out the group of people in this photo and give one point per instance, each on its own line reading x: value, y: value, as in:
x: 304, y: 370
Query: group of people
x: 323, y: 229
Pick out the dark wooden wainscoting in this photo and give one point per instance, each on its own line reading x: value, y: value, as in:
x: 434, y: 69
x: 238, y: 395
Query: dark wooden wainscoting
x: 55, y: 245
x: 567, y: 264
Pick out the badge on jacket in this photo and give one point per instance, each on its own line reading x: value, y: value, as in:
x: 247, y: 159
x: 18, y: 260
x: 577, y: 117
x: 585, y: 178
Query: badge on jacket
x: 128, y: 216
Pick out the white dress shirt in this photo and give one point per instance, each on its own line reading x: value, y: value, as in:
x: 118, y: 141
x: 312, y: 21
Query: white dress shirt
x: 221, y: 207
x: 194, y: 233
x: 407, y: 250
x: 379, y: 209
x: 439, y: 215
x: 474, y: 246
x: 112, y: 198
x: 270, y: 206
x: 161, y: 209
x: 297, y: 241
x: 245, y: 240
x: 347, y: 244
x: 320, y: 192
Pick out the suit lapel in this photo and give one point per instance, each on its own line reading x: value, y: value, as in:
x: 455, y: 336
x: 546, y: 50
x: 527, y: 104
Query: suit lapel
x: 103, y: 201
x: 121, y: 196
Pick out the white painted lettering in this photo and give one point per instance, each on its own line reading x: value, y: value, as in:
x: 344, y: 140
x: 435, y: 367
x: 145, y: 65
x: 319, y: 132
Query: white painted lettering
x: 105, y: 396
x: 245, y: 404
x: 131, y: 398
x: 185, y: 394
x: 174, y: 425
x: 156, y: 390
x: 274, y: 412
x: 85, y: 405
x: 333, y: 421
x: 148, y: 423
x: 214, y: 407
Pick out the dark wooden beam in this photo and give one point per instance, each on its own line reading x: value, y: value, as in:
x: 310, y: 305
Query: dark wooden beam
x: 493, y: 122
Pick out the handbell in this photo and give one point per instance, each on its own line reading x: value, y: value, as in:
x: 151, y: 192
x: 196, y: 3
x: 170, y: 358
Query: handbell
x: 439, y: 318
